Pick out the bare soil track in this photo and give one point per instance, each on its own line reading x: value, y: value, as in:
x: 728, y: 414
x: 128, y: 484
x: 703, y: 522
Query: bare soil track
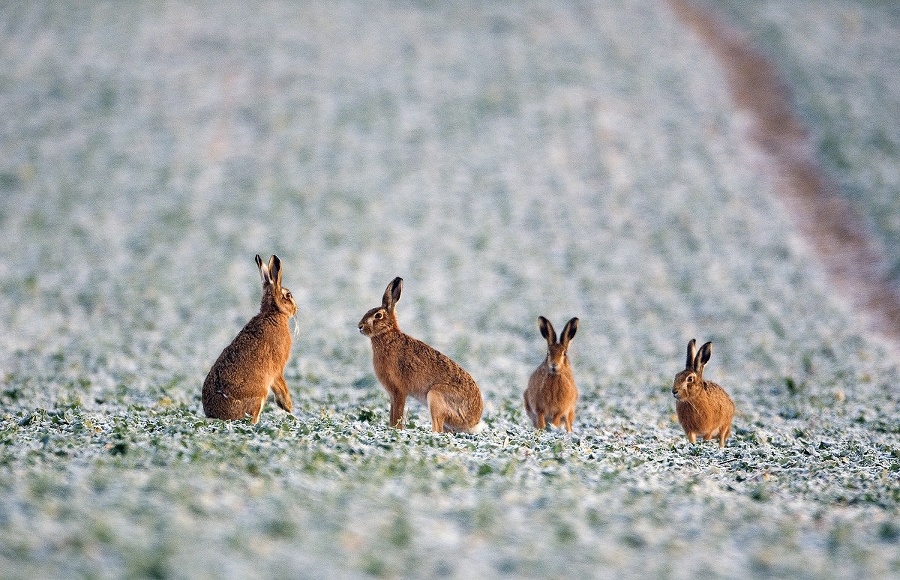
x: 853, y: 261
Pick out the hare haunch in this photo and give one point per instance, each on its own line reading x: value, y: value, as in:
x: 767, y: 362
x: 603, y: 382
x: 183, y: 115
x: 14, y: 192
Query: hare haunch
x: 703, y: 407
x: 406, y: 367
x: 551, y: 392
x: 239, y: 382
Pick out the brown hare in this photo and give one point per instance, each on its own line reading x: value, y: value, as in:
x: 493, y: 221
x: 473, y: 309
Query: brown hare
x: 703, y: 407
x: 406, y: 366
x: 239, y: 382
x: 551, y: 392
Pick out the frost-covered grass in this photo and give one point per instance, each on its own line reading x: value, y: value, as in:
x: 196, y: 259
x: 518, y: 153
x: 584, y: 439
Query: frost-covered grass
x: 553, y: 160
x: 842, y: 60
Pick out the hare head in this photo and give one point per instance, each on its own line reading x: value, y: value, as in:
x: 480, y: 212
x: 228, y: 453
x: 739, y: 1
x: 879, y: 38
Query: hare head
x: 274, y: 296
x: 690, y: 381
x: 556, y: 351
x: 382, y: 318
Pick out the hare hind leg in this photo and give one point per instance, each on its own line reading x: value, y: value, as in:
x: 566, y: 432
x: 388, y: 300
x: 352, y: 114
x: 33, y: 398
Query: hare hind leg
x: 447, y: 412
x: 529, y: 411
x: 251, y: 407
x: 537, y: 417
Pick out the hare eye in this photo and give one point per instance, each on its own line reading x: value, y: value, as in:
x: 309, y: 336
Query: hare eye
x: 379, y: 315
x: 690, y: 379
x: 288, y: 294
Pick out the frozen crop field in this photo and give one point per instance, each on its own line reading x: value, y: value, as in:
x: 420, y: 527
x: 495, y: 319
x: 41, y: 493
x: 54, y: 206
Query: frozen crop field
x: 508, y: 161
x: 841, y: 58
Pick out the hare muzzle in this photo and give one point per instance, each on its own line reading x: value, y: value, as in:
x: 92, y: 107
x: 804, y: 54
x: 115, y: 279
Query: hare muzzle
x: 366, y: 327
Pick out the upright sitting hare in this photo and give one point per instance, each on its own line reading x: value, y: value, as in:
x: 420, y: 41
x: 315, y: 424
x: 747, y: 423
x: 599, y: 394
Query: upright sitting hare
x: 703, y: 407
x: 238, y: 383
x: 409, y: 367
x: 551, y: 391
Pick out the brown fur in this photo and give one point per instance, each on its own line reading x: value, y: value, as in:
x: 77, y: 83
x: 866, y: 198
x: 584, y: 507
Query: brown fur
x: 703, y: 407
x: 239, y: 382
x: 551, y: 391
x: 409, y: 367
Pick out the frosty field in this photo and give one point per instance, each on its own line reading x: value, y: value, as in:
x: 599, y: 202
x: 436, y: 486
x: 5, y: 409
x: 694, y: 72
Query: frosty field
x: 508, y: 161
x: 845, y: 77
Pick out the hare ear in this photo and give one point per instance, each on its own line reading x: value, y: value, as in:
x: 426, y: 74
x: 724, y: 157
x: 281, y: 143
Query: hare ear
x: 547, y: 330
x: 568, y: 332
x: 392, y: 293
x: 703, y: 357
x: 691, y: 354
x: 263, y: 271
x: 275, y: 269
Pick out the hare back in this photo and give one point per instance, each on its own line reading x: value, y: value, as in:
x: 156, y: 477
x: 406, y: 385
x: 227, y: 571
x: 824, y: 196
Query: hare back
x: 409, y: 365
x: 266, y: 339
x: 254, y: 359
x: 711, y: 409
x: 550, y: 393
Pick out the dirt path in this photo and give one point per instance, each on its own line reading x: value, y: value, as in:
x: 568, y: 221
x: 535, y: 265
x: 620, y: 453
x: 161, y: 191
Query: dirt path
x: 830, y: 224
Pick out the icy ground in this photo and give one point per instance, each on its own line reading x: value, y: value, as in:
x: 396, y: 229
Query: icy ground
x: 509, y: 161
x: 841, y: 58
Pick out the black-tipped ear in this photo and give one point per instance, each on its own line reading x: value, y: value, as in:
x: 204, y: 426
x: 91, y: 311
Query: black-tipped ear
x: 264, y: 273
x: 569, y: 331
x: 691, y: 354
x: 392, y: 293
x: 547, y: 330
x: 703, y: 356
x: 275, y: 269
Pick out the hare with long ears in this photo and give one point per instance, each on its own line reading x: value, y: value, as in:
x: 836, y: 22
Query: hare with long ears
x: 703, y: 407
x: 253, y: 364
x: 407, y: 367
x: 551, y: 392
